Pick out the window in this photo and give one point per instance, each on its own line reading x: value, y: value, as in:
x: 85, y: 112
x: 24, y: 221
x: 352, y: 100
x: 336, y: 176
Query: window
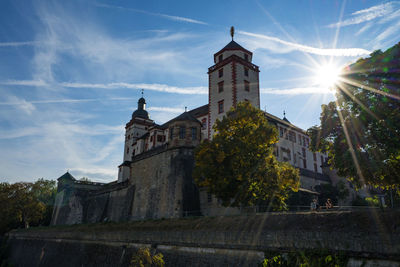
x: 286, y: 154
x: 182, y: 132
x: 322, y: 160
x: 280, y: 131
x: 221, y: 106
x: 315, y: 156
x: 304, y: 141
x: 160, y: 138
x: 246, y: 57
x: 304, y: 152
x: 151, y: 138
x: 304, y: 164
x: 194, y: 133
x: 220, y: 87
x: 307, y: 142
x: 209, y: 197
x: 315, y: 167
x: 221, y: 72
x: 246, y: 72
x: 220, y: 58
x: 204, y: 123
x: 299, y: 139
x: 247, y: 86
x: 292, y: 136
x: 171, y: 133
x: 127, y: 150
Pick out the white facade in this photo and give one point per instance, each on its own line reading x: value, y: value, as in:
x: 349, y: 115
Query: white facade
x: 232, y: 79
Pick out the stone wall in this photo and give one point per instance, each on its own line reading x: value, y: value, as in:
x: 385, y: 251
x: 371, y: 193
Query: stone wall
x: 160, y: 186
x: 164, y: 185
x: 220, y: 241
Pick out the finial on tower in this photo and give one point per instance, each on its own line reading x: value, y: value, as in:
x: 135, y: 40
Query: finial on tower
x: 284, y: 113
x: 185, y: 109
x: 142, y: 92
x: 232, y: 32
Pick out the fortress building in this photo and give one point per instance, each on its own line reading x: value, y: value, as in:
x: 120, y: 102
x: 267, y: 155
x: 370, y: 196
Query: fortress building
x: 155, y: 177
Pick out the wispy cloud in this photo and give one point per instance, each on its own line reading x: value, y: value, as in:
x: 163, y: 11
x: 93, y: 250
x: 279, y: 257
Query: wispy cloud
x: 296, y: 91
x: 24, y: 82
x: 170, y: 17
x: 153, y: 87
x: 22, y: 104
x: 194, y: 90
x: 339, y: 52
x: 365, y: 15
x: 167, y: 109
x: 16, y: 44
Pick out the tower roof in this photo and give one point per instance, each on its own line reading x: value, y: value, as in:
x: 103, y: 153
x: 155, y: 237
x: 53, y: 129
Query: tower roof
x: 141, y: 112
x: 232, y: 45
x: 67, y: 176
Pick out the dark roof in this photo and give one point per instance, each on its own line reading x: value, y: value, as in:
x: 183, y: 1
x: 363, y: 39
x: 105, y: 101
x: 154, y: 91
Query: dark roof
x: 273, y: 118
x: 125, y: 163
x: 232, y: 45
x: 185, y: 116
x: 284, y: 118
x: 67, y: 176
x: 141, y: 113
x: 200, y: 111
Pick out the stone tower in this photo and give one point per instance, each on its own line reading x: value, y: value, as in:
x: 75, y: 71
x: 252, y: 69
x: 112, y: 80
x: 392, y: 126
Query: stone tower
x: 134, y: 129
x: 232, y: 79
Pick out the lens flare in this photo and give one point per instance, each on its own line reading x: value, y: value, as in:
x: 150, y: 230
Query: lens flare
x: 327, y: 75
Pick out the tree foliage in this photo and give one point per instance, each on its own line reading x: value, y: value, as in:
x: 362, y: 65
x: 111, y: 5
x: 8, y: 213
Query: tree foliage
x: 23, y: 204
x: 146, y: 258
x: 238, y: 166
x: 361, y: 129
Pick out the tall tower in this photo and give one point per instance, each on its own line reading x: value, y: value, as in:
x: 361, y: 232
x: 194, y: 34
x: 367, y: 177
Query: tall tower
x: 135, y: 128
x: 232, y: 79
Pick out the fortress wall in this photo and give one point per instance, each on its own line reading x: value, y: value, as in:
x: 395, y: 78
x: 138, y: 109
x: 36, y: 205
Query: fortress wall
x: 164, y: 185
x: 221, y: 241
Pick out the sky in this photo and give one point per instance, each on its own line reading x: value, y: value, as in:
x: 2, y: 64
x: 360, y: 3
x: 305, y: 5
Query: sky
x: 71, y: 72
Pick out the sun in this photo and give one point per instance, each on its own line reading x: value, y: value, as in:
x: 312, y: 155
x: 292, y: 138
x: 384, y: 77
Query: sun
x: 327, y: 75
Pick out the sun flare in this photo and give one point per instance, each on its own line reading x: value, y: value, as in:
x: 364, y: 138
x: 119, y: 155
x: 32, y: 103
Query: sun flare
x: 327, y: 75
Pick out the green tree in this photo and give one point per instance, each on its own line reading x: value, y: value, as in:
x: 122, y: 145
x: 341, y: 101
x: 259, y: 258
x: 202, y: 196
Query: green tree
x: 238, y: 166
x: 360, y: 130
x: 24, y: 204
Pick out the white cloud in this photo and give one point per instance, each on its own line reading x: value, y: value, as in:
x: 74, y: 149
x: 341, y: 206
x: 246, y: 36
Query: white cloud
x: 24, y: 82
x: 289, y: 46
x: 194, y: 90
x: 153, y: 87
x: 167, y: 109
x: 365, y: 15
x: 170, y: 17
x: 296, y: 91
x: 16, y: 44
x: 21, y: 104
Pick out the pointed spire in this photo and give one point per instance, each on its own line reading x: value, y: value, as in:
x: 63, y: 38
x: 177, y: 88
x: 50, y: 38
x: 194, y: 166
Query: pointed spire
x: 232, y: 32
x: 284, y: 117
x: 185, y: 109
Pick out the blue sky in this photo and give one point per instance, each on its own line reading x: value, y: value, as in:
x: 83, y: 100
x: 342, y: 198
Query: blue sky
x: 71, y: 71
